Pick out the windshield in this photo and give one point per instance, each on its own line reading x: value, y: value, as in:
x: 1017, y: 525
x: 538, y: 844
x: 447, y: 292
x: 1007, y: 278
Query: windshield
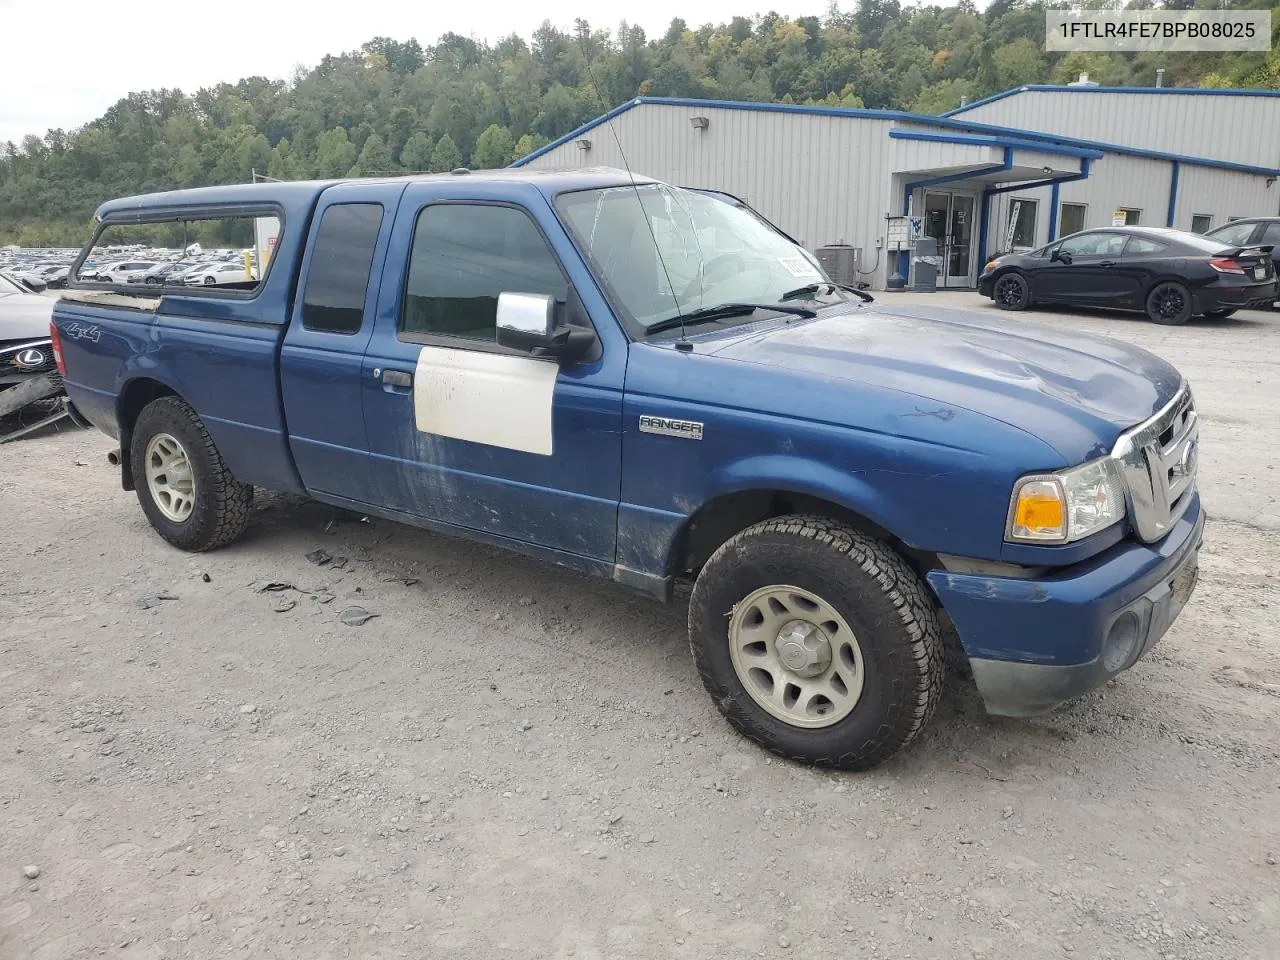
x: 711, y: 251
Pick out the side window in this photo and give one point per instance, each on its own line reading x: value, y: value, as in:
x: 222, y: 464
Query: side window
x: 463, y: 256
x: 1235, y: 235
x: 1272, y: 235
x: 338, y: 276
x: 1139, y: 246
x: 1084, y: 245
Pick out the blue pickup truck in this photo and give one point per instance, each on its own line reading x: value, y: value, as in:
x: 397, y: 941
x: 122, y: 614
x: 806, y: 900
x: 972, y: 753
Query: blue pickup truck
x: 650, y: 384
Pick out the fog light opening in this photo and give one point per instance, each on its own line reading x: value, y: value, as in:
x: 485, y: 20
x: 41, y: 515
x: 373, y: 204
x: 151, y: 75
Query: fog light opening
x: 1124, y: 642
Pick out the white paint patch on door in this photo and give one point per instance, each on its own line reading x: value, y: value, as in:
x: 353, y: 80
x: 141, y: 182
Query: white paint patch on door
x: 488, y: 398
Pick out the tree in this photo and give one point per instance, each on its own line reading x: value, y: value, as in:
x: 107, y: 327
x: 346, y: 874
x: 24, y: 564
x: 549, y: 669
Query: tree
x: 374, y: 159
x: 394, y: 100
x: 493, y: 148
x: 283, y: 165
x: 335, y: 153
x: 416, y: 155
x: 446, y: 156
x: 528, y: 144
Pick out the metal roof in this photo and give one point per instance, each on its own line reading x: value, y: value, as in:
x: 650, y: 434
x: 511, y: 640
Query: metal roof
x: 1069, y: 88
x: 944, y: 122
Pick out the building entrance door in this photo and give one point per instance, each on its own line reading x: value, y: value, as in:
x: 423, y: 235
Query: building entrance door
x: 948, y: 218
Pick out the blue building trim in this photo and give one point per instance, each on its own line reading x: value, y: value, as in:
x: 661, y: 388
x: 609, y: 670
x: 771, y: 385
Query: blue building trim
x: 1063, y: 88
x: 1053, y: 213
x: 976, y: 141
x: 1173, y: 194
x: 943, y: 123
x: 575, y: 134
x: 1055, y: 182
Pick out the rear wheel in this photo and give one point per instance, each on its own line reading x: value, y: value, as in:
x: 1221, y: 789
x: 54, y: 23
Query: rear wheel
x: 1219, y: 314
x: 817, y: 642
x: 184, y: 486
x: 1169, y: 303
x: 1012, y: 292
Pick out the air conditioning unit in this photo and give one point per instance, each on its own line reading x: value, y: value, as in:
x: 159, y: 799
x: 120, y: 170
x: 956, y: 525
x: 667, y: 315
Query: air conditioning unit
x: 841, y: 262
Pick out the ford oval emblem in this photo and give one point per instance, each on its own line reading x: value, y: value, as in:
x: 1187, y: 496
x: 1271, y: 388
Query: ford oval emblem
x: 30, y: 359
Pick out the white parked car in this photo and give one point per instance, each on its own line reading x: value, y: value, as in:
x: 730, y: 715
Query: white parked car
x: 124, y: 270
x: 219, y: 273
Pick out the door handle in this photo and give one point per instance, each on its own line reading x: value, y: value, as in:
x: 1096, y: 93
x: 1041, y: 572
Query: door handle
x: 1107, y: 263
x: 397, y: 378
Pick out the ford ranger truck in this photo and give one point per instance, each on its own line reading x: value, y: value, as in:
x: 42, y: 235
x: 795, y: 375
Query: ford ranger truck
x: 653, y: 385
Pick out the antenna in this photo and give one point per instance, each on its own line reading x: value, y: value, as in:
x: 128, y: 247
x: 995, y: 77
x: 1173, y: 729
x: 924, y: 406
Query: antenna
x: 683, y: 343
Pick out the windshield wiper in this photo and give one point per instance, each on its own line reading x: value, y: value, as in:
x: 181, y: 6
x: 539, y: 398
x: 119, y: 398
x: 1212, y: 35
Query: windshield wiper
x: 817, y: 287
x: 723, y: 311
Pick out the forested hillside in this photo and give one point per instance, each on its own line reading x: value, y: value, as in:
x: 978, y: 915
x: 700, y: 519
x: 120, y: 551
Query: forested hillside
x: 395, y: 106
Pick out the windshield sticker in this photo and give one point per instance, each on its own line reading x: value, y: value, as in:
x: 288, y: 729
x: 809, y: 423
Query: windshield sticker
x: 800, y: 267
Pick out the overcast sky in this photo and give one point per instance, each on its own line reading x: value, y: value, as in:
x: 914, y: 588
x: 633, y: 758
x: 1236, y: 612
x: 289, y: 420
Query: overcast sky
x: 64, y: 62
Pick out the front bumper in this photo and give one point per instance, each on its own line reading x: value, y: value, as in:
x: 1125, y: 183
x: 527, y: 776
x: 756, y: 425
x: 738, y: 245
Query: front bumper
x: 986, y: 285
x: 1034, y: 644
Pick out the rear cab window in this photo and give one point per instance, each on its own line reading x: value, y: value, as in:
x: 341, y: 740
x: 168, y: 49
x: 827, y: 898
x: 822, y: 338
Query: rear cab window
x: 338, y: 275
x: 205, y: 255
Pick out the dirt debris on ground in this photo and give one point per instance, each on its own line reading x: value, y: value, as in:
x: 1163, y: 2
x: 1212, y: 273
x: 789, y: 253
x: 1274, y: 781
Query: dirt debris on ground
x: 513, y: 761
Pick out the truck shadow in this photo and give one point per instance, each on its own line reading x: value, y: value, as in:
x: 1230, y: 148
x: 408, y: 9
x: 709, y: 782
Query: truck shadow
x: 631, y: 649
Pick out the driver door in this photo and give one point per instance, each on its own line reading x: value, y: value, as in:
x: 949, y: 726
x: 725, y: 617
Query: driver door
x: 1084, y: 270
x: 463, y: 431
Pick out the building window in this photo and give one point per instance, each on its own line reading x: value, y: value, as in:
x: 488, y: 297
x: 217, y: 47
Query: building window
x: 1022, y: 224
x: 1201, y: 222
x: 1071, y: 219
x: 1126, y: 217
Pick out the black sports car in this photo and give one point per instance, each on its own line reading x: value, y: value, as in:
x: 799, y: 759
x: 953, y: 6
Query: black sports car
x: 1170, y: 275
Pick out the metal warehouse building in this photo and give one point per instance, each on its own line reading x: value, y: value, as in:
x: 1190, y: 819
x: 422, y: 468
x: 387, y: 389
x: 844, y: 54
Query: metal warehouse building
x: 1010, y: 172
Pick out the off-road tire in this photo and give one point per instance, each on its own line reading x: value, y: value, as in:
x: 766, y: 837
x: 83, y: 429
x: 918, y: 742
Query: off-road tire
x: 879, y: 595
x: 222, y: 503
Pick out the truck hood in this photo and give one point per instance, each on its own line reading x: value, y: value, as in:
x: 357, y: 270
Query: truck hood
x: 25, y: 316
x: 1074, y: 391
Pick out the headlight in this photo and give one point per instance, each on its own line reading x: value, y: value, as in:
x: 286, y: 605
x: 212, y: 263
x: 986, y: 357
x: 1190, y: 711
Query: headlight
x: 991, y: 264
x: 1066, y: 506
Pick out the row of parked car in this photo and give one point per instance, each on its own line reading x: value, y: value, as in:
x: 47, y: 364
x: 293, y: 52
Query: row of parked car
x: 192, y: 272
x: 169, y: 267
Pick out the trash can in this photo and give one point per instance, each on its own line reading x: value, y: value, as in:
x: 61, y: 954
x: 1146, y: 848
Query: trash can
x: 925, y: 264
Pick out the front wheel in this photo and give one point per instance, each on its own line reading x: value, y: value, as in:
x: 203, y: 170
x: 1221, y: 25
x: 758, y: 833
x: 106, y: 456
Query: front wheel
x: 1012, y: 292
x: 817, y: 642
x: 209, y: 281
x: 1169, y: 303
x: 184, y: 486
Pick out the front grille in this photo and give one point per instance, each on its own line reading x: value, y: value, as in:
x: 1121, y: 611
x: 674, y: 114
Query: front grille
x: 1158, y: 461
x: 27, y: 356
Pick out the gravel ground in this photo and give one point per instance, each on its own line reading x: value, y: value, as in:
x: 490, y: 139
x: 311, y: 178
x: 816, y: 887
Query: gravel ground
x: 514, y: 761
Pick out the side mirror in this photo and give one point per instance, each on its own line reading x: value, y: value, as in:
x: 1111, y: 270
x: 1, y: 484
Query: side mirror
x: 1061, y: 256
x: 530, y: 322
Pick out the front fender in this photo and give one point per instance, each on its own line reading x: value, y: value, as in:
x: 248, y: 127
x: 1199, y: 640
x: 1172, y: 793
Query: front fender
x: 650, y: 540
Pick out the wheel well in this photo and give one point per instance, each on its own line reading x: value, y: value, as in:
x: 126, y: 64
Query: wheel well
x: 137, y: 394
x: 718, y: 520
